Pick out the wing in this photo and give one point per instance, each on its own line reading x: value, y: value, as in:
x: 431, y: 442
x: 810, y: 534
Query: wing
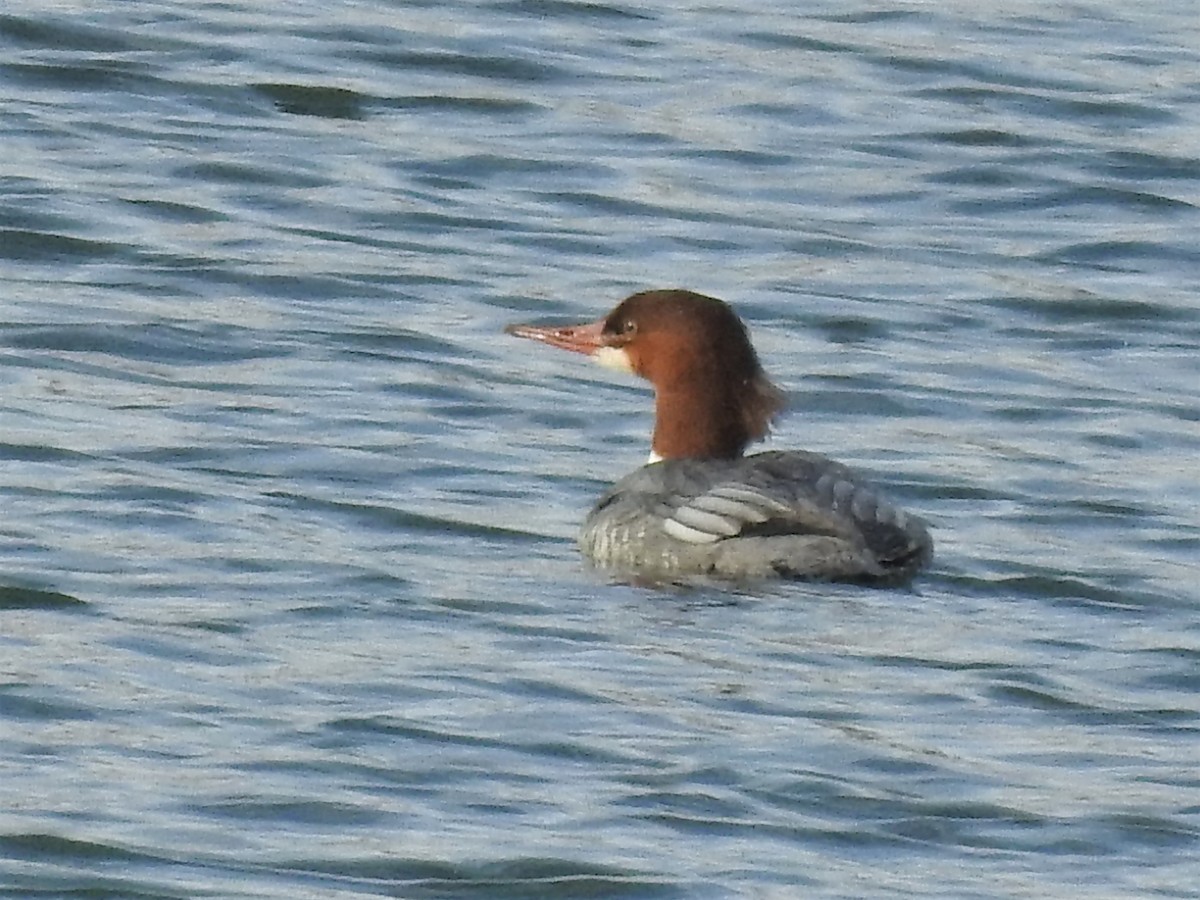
x: 799, y: 494
x: 790, y: 513
x: 737, y: 509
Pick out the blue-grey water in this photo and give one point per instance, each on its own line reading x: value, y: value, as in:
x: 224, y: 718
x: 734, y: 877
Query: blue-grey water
x: 289, y: 601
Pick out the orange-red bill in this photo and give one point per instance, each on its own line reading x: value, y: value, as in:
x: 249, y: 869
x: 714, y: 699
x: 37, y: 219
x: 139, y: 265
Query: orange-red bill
x: 585, y: 339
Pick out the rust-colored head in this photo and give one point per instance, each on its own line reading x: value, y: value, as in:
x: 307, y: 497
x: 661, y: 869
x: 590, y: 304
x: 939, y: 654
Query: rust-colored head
x: 712, y: 397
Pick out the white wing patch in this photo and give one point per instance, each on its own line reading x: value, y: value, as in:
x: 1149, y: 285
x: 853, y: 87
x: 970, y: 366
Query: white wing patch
x: 721, y: 512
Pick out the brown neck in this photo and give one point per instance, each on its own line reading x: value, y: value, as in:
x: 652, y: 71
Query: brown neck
x: 711, y: 427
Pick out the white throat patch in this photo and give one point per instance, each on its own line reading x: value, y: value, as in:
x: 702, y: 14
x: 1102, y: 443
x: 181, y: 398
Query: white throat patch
x: 613, y: 358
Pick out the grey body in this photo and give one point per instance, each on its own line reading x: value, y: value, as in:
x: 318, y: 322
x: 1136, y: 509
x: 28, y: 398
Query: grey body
x: 790, y: 514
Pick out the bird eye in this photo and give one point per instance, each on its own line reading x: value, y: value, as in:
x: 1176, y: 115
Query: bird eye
x: 625, y: 328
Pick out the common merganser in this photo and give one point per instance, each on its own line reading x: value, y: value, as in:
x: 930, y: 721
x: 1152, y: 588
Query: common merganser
x: 701, y: 508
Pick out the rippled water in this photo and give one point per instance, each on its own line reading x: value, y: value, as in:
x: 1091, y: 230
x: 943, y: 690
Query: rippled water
x: 289, y: 601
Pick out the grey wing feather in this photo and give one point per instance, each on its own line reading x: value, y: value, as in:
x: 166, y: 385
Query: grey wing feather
x: 723, y: 511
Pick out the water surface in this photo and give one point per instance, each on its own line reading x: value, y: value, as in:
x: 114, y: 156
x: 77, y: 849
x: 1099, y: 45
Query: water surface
x: 289, y: 600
